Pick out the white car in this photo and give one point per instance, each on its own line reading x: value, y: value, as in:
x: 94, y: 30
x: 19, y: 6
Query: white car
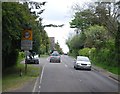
x: 82, y: 62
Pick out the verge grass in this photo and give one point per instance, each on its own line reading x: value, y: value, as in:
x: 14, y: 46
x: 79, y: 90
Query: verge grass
x: 44, y: 56
x: 112, y: 69
x: 12, y: 80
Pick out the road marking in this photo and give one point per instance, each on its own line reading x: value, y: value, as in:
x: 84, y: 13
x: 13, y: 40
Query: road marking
x: 39, y: 92
x: 42, y: 75
x: 37, y: 81
x: 48, y: 59
x: 71, y: 71
x: 35, y: 85
x: 66, y: 65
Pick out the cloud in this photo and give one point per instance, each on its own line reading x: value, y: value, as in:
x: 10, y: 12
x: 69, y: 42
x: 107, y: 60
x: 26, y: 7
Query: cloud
x: 58, y: 12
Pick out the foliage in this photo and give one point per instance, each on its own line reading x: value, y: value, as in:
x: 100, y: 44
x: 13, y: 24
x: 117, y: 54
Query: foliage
x: 13, y: 80
x: 83, y: 19
x: 52, y: 25
x: 96, y: 36
x: 16, y: 17
x: 75, y: 43
x: 58, y: 48
x: 100, y: 26
x: 85, y: 52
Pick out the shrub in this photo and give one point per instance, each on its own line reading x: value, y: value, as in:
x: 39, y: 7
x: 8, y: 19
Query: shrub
x: 85, y: 52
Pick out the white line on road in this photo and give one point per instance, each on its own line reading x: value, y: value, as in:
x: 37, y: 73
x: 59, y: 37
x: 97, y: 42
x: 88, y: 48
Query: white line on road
x: 35, y: 85
x: 48, y: 59
x: 66, y: 65
x: 37, y: 81
x: 42, y: 75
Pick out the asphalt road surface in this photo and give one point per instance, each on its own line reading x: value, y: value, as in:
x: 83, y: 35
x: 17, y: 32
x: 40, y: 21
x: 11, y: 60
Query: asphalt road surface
x: 62, y: 77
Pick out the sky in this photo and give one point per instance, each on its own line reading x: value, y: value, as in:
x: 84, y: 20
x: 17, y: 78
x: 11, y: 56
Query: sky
x: 59, y: 12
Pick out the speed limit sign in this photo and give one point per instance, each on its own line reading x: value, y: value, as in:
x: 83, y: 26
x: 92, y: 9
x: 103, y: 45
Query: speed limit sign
x: 26, y: 40
x: 27, y: 35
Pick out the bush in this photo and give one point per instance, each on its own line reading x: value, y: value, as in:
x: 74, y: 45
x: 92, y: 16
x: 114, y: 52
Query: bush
x: 21, y: 54
x: 10, y: 59
x: 104, y: 56
x: 85, y: 52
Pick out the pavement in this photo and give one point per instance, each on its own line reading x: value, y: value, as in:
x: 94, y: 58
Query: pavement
x: 107, y: 73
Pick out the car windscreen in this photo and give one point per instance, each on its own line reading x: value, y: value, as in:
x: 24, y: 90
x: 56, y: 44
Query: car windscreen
x: 83, y: 59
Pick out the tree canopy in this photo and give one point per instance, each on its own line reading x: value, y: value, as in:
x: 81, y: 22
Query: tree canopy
x: 15, y: 17
x: 100, y: 26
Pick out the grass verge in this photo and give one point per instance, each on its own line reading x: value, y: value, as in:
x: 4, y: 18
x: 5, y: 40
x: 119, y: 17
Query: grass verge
x: 112, y: 69
x: 11, y: 79
x: 44, y: 56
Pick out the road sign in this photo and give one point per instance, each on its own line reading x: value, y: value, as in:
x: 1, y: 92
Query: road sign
x: 27, y: 35
x: 26, y: 41
x: 26, y: 45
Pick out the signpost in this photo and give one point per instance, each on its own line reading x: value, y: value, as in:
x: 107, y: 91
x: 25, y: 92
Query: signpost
x: 26, y: 43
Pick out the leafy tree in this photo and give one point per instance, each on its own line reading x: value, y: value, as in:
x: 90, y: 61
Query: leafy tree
x: 101, y: 28
x: 83, y: 19
x: 15, y: 17
x: 58, y: 48
x: 76, y: 42
x: 96, y: 36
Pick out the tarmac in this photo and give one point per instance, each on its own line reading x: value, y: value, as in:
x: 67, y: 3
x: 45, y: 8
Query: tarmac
x: 28, y: 87
x: 109, y: 74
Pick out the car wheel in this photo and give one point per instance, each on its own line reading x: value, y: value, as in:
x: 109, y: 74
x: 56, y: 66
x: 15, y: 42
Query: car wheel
x: 89, y: 69
x: 74, y: 67
x: 59, y: 61
x: 37, y: 62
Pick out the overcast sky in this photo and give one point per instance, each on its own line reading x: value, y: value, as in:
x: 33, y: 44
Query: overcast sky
x: 59, y: 12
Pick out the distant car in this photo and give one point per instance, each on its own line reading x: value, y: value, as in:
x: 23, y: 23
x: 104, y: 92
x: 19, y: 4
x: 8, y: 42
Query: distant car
x: 32, y: 60
x: 55, y: 52
x: 82, y: 62
x: 65, y: 54
x: 55, y: 57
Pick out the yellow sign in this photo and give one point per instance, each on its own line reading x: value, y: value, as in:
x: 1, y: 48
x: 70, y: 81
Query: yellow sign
x: 27, y: 35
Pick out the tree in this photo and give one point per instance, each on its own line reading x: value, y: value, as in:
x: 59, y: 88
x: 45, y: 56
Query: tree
x: 109, y: 15
x: 83, y: 19
x: 75, y: 43
x: 96, y: 36
x: 101, y: 27
x: 58, y: 48
x: 15, y: 17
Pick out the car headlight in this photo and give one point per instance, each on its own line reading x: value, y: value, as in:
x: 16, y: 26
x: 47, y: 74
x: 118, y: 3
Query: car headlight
x: 78, y: 63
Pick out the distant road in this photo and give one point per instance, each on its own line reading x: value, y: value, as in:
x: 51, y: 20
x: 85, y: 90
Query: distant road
x: 62, y: 77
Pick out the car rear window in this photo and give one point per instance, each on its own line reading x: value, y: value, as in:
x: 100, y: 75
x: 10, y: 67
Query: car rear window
x: 55, y: 54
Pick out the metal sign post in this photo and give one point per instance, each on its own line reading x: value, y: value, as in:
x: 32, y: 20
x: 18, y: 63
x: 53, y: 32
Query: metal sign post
x: 26, y: 44
x: 25, y: 62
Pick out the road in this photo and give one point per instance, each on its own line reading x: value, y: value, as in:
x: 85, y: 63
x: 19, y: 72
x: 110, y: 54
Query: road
x: 62, y: 77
